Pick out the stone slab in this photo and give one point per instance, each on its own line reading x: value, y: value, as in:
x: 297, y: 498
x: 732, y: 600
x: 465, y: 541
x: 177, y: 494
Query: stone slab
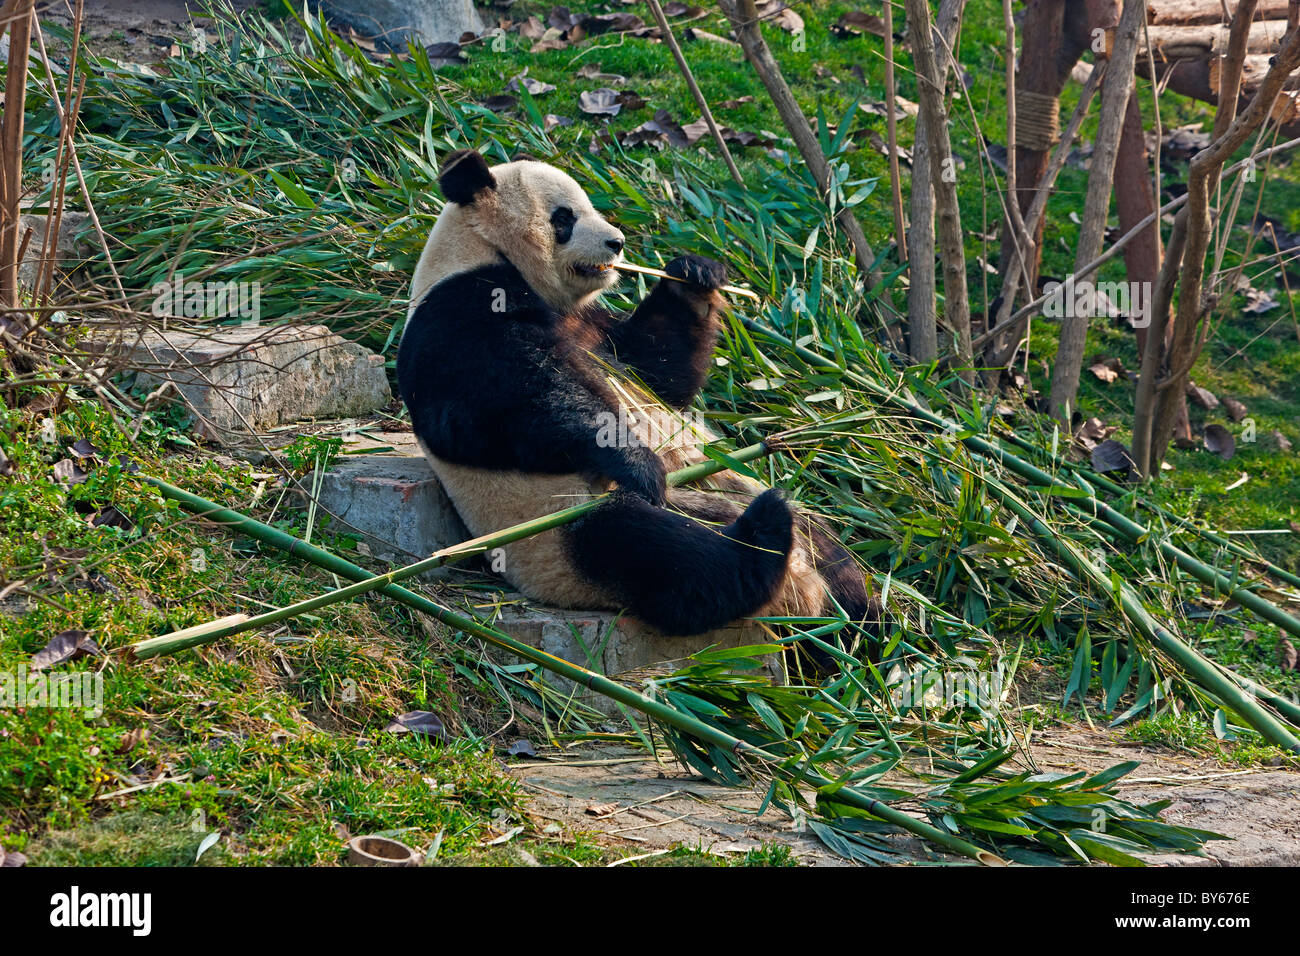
x: 237, y: 378
x: 394, y: 502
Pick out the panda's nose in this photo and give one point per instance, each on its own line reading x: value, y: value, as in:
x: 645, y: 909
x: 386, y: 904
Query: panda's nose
x: 615, y: 245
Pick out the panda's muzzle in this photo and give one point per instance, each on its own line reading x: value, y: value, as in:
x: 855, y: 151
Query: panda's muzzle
x: 591, y: 271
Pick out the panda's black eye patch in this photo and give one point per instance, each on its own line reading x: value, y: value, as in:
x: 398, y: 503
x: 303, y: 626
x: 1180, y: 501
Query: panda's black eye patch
x: 563, y: 220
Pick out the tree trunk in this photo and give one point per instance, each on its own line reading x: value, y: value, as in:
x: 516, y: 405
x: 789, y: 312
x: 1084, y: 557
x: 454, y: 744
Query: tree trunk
x: 943, y: 177
x: 922, y: 319
x: 1189, y: 12
x: 1115, y: 92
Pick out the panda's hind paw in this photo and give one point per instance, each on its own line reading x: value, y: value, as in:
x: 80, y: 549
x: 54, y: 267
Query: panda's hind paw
x: 768, y: 523
x: 699, y: 271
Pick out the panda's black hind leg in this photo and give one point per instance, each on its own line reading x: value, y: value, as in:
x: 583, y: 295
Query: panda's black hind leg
x: 678, y: 575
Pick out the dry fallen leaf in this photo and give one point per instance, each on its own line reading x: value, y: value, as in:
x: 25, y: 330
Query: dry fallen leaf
x: 856, y: 22
x: 68, y: 472
x: 602, y: 809
x: 66, y: 646
x: 1202, y: 396
x: 600, y: 102
x: 1283, y: 443
x: 1112, y: 455
x: 1219, y: 440
x: 131, y: 739
x: 1107, y: 369
x: 1236, y: 410
x: 534, y: 87
x: 418, y: 722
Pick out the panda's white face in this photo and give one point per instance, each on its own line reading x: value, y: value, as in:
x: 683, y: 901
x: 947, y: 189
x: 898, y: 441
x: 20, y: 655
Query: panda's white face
x: 543, y: 222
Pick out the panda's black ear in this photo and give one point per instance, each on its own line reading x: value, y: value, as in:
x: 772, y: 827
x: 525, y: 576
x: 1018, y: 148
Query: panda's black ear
x: 524, y: 157
x: 463, y: 174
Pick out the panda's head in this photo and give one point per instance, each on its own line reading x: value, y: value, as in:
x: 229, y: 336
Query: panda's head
x: 538, y: 218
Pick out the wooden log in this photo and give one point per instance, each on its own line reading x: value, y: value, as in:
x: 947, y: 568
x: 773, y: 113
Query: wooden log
x: 1253, y: 71
x: 1200, y: 12
x: 1193, y: 42
x: 1199, y: 79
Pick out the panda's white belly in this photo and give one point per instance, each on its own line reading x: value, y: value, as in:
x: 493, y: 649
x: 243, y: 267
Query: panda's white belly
x: 488, y: 500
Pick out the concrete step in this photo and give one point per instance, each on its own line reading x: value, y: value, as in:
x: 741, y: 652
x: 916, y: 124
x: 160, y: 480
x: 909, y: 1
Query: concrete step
x: 394, y: 503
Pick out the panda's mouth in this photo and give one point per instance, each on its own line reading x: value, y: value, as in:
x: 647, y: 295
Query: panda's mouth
x: 591, y: 270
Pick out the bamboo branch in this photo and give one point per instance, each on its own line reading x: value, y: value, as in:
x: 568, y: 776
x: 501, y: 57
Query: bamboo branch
x: 891, y: 129
x: 1205, y: 168
x: 700, y: 101
x: 1088, y: 508
x: 1007, y: 328
x: 922, y: 319
x: 744, y: 20
x: 647, y: 270
x: 952, y: 254
x: 1115, y: 92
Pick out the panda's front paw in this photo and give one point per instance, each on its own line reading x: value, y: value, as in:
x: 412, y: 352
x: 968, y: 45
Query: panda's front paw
x: 699, y: 271
x: 643, y: 475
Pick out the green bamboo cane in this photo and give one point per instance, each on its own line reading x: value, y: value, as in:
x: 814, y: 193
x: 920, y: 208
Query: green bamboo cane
x: 1133, y: 531
x: 1115, y: 488
x: 1118, y: 522
x: 1203, y: 670
x: 556, y: 665
x: 1288, y: 708
x: 225, y: 627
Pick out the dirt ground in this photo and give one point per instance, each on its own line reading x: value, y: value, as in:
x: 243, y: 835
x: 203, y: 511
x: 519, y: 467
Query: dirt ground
x: 625, y: 799
x: 139, y: 31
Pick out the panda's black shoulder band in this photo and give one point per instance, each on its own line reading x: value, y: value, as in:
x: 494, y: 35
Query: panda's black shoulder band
x: 464, y: 173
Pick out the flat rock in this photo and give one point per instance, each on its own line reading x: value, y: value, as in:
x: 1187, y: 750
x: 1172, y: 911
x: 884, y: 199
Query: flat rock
x: 394, y: 22
x: 238, y: 380
x: 394, y: 503
x: 68, y: 249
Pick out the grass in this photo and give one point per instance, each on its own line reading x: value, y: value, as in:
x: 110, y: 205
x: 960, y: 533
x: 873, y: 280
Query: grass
x: 255, y: 726
x: 279, y: 741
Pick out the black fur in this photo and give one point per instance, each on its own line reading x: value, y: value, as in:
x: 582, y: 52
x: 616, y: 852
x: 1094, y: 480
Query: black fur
x: 677, y: 575
x: 562, y: 221
x: 510, y: 389
x: 670, y: 338
x: 464, y: 173
x: 494, y: 378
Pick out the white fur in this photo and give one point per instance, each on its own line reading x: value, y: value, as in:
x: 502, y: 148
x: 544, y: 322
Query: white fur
x: 514, y: 220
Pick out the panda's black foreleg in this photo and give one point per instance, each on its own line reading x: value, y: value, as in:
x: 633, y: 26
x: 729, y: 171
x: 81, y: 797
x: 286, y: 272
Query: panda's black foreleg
x: 678, y: 575
x: 670, y: 338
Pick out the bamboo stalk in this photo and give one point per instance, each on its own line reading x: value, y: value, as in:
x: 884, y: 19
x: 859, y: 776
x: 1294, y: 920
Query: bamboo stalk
x: 580, y: 675
x: 700, y: 101
x: 647, y: 270
x: 1187, y: 656
x: 206, y: 634
x: 1203, y: 670
x: 891, y: 129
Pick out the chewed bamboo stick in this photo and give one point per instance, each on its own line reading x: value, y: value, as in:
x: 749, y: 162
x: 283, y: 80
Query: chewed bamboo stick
x: 646, y: 270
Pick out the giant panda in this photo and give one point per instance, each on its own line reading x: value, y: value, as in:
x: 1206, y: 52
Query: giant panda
x: 527, y: 397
